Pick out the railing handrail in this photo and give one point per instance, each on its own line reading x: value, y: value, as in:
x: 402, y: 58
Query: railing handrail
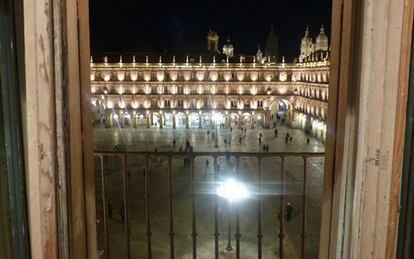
x: 209, y: 153
x: 190, y: 158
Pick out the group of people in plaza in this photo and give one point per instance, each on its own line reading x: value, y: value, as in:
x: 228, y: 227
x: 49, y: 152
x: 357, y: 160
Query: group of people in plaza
x: 264, y: 147
x: 188, y: 148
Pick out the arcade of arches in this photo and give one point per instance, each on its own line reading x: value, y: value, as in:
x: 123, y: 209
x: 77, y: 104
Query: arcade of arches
x: 281, y: 112
x: 241, y: 91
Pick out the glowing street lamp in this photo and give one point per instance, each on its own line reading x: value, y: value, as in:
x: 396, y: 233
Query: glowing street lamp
x: 233, y: 192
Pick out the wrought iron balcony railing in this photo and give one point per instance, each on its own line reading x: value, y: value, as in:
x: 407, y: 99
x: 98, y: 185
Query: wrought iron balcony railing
x: 148, y: 160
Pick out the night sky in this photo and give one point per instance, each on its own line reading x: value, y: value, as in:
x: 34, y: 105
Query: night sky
x: 181, y: 26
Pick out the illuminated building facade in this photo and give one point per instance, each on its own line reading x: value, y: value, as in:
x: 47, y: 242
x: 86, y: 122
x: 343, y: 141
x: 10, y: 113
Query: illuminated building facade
x: 213, y: 89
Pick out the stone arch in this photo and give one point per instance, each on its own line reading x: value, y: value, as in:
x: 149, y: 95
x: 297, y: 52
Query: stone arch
x: 168, y: 119
x: 156, y: 119
x: 274, y: 105
x: 140, y: 119
x: 281, y: 110
x: 113, y: 119
x: 246, y: 119
x: 127, y: 120
x: 234, y: 119
x: 194, y: 120
x: 206, y: 120
x: 180, y: 120
x: 260, y: 119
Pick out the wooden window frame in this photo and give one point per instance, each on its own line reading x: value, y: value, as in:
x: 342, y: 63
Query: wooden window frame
x: 343, y: 208
x: 64, y: 33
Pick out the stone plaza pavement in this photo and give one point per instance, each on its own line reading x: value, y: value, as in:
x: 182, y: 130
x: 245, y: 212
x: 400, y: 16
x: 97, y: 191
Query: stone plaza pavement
x: 143, y: 139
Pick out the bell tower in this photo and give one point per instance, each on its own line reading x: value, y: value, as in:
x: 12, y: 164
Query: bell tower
x: 212, y: 41
x: 322, y: 40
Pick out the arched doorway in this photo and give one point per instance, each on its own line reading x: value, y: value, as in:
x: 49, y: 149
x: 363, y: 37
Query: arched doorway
x: 156, y: 119
x: 218, y: 120
x: 234, y: 119
x: 114, y: 120
x: 260, y: 120
x: 126, y: 119
x: 206, y: 120
x: 180, y: 120
x: 194, y: 120
x: 168, y: 119
x: 141, y: 119
x: 281, y: 110
x: 98, y: 112
x: 246, y: 119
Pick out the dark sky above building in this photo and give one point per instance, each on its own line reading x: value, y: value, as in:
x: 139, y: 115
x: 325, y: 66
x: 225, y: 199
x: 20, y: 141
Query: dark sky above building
x: 181, y: 26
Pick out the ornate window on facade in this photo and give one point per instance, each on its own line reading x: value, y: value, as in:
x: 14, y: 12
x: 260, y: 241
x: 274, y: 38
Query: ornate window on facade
x: 173, y: 75
x: 260, y: 104
x: 180, y: 103
x: 167, y: 104
x: 154, y: 103
x: 180, y: 89
x: 233, y: 104
x: 205, y: 102
x: 133, y: 75
x: 193, y: 104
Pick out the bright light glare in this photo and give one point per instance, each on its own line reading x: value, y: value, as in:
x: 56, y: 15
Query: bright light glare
x: 232, y: 191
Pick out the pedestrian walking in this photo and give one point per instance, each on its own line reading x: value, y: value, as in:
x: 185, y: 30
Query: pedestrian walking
x: 174, y: 142
x: 307, y: 141
x: 276, y: 132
